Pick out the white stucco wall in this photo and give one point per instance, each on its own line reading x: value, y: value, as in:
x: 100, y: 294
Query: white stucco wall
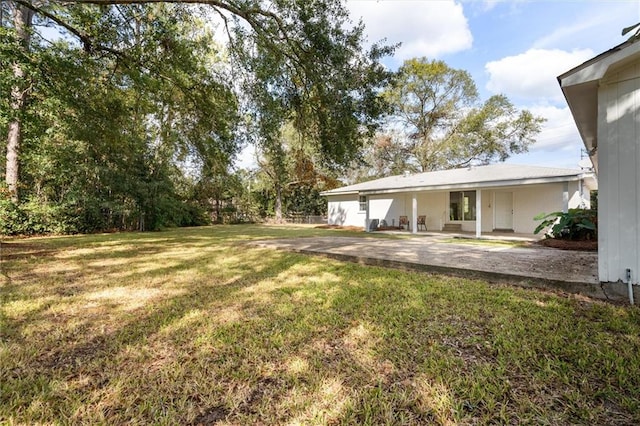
x: 487, y: 211
x: 619, y: 175
x: 434, y: 206
x: 528, y: 202
x: 344, y: 210
x: 389, y: 208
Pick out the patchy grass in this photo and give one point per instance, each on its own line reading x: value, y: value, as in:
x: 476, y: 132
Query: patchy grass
x: 192, y: 326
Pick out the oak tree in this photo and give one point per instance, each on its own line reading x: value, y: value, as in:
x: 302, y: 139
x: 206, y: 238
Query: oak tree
x: 444, y: 123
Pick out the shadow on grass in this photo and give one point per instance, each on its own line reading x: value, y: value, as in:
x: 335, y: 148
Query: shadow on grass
x: 203, y: 329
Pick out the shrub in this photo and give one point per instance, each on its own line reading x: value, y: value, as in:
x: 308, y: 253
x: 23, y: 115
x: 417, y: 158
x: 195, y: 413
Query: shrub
x: 34, y: 218
x: 576, y: 224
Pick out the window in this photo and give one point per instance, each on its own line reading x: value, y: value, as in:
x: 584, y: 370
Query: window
x: 462, y: 205
x: 363, y: 203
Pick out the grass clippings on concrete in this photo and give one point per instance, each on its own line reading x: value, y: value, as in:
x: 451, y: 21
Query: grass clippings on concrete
x: 193, y: 326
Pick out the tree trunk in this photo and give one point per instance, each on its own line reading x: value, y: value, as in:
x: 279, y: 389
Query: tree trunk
x: 22, y: 22
x: 278, y: 205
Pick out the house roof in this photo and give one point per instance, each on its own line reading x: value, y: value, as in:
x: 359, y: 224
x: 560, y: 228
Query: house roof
x: 494, y: 175
x: 580, y: 88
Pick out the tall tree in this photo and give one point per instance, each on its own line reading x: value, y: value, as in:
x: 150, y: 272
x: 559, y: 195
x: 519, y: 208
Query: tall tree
x: 121, y: 103
x: 110, y: 121
x: 445, y: 124
x: 20, y: 86
x: 319, y: 72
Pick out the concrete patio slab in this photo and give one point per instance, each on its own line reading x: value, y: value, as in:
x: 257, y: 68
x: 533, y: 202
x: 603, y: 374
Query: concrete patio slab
x: 528, y: 266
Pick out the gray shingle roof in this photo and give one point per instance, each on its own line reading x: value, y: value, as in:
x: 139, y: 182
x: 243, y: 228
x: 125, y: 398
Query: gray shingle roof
x: 480, y: 176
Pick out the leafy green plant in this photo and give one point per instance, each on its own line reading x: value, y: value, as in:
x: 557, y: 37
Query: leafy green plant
x: 576, y: 224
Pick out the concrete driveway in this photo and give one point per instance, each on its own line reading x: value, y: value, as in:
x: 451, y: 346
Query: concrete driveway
x: 529, y: 265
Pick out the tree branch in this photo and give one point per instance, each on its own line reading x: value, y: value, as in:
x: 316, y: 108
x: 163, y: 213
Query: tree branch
x: 83, y: 37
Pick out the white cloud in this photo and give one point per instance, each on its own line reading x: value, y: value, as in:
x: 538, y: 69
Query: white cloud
x: 558, y: 132
x: 567, y: 32
x: 532, y: 75
x: 558, y: 144
x: 596, y: 24
x: 428, y: 28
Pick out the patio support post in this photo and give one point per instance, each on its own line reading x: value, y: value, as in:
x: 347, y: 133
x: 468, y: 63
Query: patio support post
x: 478, y: 213
x: 414, y: 213
x: 565, y: 197
x: 366, y: 218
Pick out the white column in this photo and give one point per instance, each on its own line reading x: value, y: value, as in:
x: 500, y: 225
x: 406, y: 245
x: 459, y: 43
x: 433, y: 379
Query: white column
x: 565, y: 197
x: 478, y: 213
x: 366, y: 217
x: 414, y: 213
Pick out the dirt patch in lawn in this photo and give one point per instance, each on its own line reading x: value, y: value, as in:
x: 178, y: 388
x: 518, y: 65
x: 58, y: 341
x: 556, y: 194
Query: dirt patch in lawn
x: 587, y: 245
x: 346, y: 228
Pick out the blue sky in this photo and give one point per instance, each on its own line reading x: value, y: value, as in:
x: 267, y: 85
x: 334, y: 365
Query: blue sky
x: 514, y: 47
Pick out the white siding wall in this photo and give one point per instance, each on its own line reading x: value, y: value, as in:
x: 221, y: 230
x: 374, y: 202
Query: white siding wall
x: 344, y: 210
x: 619, y: 175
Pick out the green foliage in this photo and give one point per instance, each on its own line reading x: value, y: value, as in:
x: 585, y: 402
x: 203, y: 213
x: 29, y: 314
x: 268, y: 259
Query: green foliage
x: 306, y: 200
x: 133, y: 116
x: 13, y: 221
x: 576, y: 224
x: 111, y: 125
x: 308, y: 67
x: 447, y: 125
x: 635, y: 35
x: 594, y: 200
x: 34, y: 218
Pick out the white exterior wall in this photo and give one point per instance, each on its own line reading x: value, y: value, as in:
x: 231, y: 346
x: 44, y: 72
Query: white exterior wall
x: 344, y: 210
x: 619, y: 176
x: 389, y: 207
x: 528, y: 202
x: 487, y: 211
x: 434, y: 206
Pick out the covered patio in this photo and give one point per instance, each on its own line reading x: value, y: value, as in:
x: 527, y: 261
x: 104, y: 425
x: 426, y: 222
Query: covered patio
x: 499, y: 198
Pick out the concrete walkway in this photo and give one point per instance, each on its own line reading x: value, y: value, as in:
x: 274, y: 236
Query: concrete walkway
x: 528, y: 265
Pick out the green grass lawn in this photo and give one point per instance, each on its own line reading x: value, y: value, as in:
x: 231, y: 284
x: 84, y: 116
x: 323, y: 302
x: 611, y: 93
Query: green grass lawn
x: 194, y: 326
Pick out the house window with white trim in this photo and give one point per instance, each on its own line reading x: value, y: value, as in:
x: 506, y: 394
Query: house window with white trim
x: 363, y: 203
x: 462, y: 205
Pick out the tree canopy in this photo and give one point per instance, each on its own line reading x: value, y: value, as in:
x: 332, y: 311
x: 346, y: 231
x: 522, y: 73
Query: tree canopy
x: 443, y: 124
x: 113, y: 124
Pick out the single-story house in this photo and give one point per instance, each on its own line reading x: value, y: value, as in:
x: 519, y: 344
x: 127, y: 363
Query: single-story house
x: 499, y: 197
x: 604, y: 97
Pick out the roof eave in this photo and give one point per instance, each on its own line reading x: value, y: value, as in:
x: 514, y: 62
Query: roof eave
x: 475, y: 185
x: 580, y: 88
x: 334, y: 192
